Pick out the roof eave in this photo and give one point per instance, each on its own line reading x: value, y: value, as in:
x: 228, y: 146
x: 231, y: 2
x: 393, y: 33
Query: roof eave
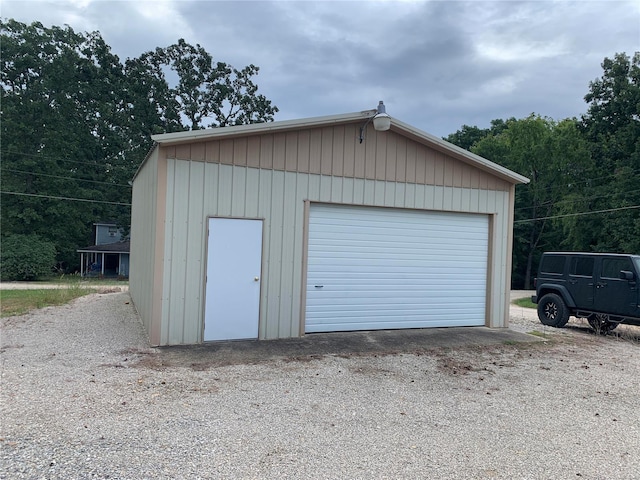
x: 458, y: 152
x: 98, y: 250
x: 168, y: 139
x: 176, y: 138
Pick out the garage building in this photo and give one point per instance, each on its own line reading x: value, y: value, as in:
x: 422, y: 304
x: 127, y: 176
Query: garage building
x: 279, y: 229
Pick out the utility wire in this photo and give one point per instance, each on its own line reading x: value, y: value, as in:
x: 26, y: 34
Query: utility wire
x: 65, y: 198
x: 600, y: 178
x: 578, y: 214
x: 89, y: 162
x: 582, y: 199
x: 100, y: 162
x: 65, y: 178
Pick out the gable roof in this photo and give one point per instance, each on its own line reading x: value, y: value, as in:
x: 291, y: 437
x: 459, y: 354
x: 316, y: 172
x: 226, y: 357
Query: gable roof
x: 177, y: 138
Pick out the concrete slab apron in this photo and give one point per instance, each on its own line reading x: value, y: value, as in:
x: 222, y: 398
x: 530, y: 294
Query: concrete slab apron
x: 385, y: 342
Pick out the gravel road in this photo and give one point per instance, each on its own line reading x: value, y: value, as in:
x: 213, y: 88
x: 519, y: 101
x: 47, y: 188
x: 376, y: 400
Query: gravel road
x: 83, y: 396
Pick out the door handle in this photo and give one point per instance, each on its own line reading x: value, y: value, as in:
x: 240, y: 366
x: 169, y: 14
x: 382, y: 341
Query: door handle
x: 256, y: 279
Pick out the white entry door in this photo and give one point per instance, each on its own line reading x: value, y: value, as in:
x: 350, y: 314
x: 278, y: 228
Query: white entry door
x: 234, y: 260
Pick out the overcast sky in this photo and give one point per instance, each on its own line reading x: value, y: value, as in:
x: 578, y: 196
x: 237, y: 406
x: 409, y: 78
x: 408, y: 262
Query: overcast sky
x: 436, y: 64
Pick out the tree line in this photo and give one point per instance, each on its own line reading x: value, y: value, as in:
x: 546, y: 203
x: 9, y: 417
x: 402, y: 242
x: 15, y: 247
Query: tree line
x: 584, y: 193
x: 77, y: 122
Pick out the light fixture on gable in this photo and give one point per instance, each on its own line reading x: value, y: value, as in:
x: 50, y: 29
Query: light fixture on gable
x: 381, y: 121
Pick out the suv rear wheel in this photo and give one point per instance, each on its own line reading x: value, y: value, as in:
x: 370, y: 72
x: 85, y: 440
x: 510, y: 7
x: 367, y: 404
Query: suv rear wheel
x: 552, y: 311
x: 600, y: 323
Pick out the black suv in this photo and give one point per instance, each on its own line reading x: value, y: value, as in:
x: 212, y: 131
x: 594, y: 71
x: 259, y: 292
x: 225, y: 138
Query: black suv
x: 601, y: 287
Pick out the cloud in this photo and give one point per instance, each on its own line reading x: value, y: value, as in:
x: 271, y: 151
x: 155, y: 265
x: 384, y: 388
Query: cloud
x: 436, y: 64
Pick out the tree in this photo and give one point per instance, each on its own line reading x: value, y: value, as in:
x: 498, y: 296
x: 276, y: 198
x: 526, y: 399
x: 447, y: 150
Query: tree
x: 612, y: 128
x: 553, y: 156
x: 59, y: 111
x: 467, y: 137
x: 584, y: 193
x: 207, y: 93
x: 77, y: 123
x: 26, y: 257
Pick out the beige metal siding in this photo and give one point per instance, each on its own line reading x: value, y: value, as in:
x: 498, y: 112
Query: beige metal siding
x: 143, y: 245
x: 185, y: 230
x: 336, y: 151
x: 196, y: 190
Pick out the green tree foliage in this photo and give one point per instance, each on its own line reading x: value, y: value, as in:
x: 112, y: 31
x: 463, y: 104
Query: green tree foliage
x: 552, y: 155
x: 26, y: 257
x: 207, y: 93
x: 59, y: 106
x: 468, y: 136
x: 612, y: 128
x: 76, y: 124
x: 584, y: 193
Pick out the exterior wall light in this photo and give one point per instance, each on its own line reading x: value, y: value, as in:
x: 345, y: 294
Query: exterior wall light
x: 381, y: 121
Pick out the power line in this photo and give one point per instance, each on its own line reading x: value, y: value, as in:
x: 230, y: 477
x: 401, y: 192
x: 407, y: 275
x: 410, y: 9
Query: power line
x: 578, y: 214
x: 101, y: 162
x: 600, y: 178
x: 89, y: 162
x: 66, y: 178
x: 581, y: 199
x: 65, y: 198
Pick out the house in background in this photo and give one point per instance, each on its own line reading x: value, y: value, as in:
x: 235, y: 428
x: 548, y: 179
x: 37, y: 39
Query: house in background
x: 108, y: 256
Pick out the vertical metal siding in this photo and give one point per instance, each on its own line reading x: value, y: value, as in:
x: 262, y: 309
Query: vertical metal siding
x: 286, y: 325
x: 274, y: 254
x: 175, y: 288
x: 224, y: 190
x: 195, y: 255
x: 279, y: 199
x: 386, y: 170
x: 143, y: 224
x: 238, y: 192
x: 264, y: 209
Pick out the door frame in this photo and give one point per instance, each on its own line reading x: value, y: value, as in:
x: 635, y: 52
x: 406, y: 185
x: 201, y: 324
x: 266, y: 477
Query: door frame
x: 204, y: 276
x: 491, y: 219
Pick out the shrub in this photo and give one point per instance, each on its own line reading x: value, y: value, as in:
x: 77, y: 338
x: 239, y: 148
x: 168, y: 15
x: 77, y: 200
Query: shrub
x: 26, y: 257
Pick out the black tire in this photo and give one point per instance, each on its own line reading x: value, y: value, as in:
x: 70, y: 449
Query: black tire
x: 552, y: 311
x: 600, y: 323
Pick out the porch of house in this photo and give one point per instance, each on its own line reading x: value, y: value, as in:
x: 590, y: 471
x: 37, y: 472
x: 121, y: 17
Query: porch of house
x: 105, y: 261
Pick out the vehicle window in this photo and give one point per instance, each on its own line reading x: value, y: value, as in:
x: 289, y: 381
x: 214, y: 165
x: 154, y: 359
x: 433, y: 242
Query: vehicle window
x: 582, y: 266
x: 552, y: 264
x: 637, y: 262
x: 611, y: 267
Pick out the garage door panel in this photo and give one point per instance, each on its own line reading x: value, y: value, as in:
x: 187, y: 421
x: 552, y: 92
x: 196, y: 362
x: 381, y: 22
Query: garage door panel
x: 376, y: 268
x: 396, y: 323
x: 389, y: 236
x: 390, y: 312
x: 400, y: 305
x: 405, y: 267
x: 400, y: 293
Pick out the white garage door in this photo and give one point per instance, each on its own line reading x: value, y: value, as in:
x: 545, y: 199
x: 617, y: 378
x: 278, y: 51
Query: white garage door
x: 382, y: 268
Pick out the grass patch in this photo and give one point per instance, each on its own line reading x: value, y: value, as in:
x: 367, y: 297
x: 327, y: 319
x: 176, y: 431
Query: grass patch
x: 66, y: 280
x: 525, y: 302
x: 17, y: 302
x: 538, y: 333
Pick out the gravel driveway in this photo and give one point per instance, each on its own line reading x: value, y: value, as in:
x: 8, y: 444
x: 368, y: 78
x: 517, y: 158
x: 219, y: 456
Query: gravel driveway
x: 84, y: 397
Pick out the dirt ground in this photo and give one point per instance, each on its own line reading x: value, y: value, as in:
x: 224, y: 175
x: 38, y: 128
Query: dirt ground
x: 84, y: 396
